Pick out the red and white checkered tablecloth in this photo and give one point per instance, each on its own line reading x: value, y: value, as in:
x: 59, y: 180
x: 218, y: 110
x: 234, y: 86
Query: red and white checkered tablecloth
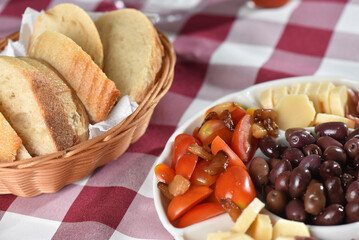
x: 222, y: 47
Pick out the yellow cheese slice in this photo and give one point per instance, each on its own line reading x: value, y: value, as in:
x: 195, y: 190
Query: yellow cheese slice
x: 266, y: 99
x: 323, y: 96
x: 313, y: 92
x: 295, y: 111
x: 303, y: 88
x: 278, y: 93
x: 294, y: 88
x: 325, y: 117
x: 338, y: 99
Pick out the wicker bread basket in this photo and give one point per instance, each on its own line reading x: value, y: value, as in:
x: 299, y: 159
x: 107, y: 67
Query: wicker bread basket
x: 49, y: 173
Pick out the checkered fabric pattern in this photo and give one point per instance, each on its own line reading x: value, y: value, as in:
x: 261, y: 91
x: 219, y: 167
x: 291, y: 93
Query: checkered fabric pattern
x: 222, y: 47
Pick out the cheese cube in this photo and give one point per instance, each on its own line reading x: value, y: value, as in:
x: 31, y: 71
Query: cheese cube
x: 261, y: 228
x: 287, y: 228
x: 248, y: 216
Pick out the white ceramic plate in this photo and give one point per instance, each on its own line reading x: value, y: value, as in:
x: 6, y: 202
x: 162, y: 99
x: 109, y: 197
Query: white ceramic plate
x: 249, y: 98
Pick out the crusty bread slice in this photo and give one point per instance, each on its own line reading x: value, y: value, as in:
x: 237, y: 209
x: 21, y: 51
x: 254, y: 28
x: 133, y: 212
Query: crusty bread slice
x: 73, y: 22
x: 11, y: 147
x: 22, y: 153
x: 132, y: 51
x: 73, y: 108
x: 29, y: 103
x: 95, y: 90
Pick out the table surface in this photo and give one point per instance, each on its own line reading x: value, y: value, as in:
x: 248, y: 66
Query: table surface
x: 222, y: 47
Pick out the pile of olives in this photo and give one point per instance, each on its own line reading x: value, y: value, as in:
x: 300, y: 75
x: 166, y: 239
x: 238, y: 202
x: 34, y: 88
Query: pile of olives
x: 312, y: 177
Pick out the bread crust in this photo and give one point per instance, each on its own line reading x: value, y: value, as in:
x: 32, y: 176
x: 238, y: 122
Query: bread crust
x: 73, y: 108
x: 44, y: 104
x: 73, y: 22
x: 97, y: 93
x: 132, y: 51
x: 55, y: 118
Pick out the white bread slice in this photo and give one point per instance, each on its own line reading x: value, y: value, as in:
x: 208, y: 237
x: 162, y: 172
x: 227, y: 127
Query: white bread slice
x: 11, y: 147
x: 132, y: 51
x: 73, y: 22
x: 97, y: 93
x: 29, y: 103
x: 73, y: 108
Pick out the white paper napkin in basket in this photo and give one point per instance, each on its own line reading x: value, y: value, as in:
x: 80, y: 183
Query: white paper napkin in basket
x: 121, y: 110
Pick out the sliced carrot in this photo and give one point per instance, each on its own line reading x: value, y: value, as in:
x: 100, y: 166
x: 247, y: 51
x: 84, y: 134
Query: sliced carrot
x: 218, y: 144
x: 183, y: 203
x: 200, y: 213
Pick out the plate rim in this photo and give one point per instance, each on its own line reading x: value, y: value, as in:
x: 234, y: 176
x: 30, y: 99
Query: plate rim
x: 179, y: 233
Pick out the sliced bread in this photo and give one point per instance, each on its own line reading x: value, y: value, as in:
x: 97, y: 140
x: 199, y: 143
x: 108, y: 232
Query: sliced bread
x: 73, y: 108
x: 29, y: 103
x: 132, y: 51
x: 11, y: 147
x: 73, y: 22
x: 95, y: 90
x: 22, y: 153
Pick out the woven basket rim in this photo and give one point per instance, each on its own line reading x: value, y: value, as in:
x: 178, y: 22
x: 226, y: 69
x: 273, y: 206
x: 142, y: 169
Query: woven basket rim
x: 162, y: 85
